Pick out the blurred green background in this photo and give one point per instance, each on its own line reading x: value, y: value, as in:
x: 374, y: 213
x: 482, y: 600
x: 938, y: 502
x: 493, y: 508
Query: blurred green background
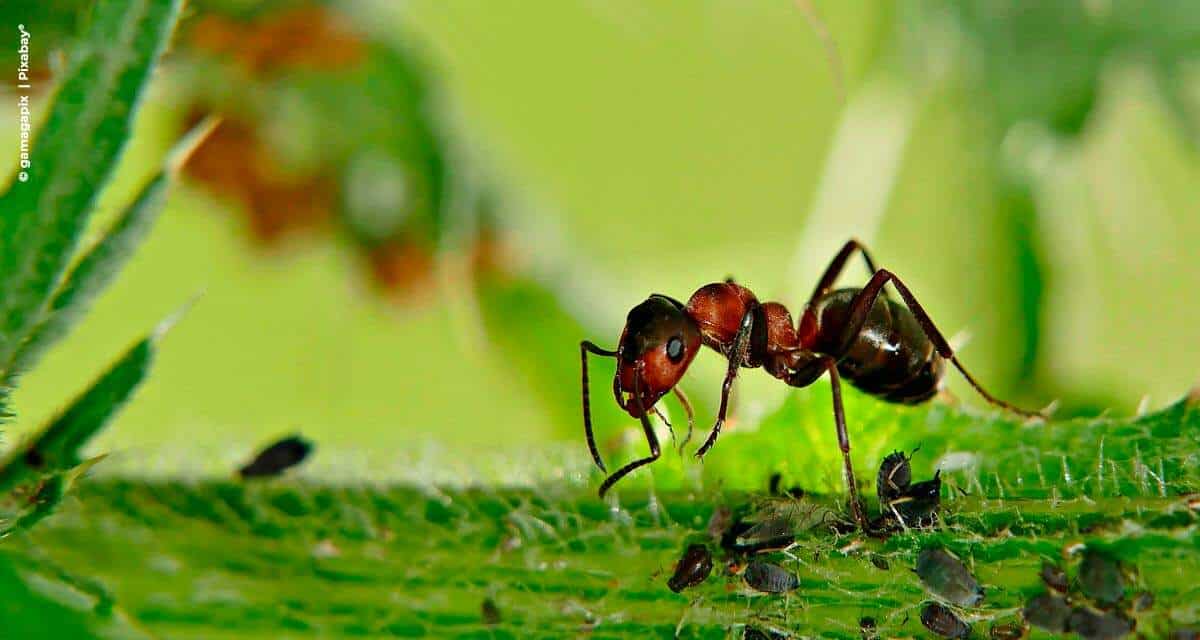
x: 1029, y: 169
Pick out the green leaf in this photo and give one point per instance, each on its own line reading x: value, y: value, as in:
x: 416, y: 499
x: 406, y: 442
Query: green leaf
x: 73, y: 157
x: 222, y: 559
x: 97, y: 268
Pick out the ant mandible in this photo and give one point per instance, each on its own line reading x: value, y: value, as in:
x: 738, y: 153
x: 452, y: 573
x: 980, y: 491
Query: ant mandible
x: 892, y: 351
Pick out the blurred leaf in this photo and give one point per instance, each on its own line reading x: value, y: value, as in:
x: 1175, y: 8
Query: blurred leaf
x: 57, y: 447
x: 28, y: 614
x: 74, y: 154
x: 100, y: 264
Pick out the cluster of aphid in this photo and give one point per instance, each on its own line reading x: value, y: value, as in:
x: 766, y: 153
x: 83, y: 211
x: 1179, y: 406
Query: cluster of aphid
x: 945, y: 576
x: 746, y: 541
x: 1095, y: 604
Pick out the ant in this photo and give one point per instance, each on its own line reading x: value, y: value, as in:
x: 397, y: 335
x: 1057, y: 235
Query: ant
x: 890, y: 350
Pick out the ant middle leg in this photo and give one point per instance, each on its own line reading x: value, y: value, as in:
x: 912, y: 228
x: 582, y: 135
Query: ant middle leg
x: 651, y: 439
x: 839, y: 417
x: 813, y: 368
x: 860, y: 307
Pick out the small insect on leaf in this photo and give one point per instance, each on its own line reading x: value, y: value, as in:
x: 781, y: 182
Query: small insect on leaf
x: 1100, y: 578
x: 1048, y: 611
x: 1143, y: 601
x: 867, y: 627
x: 946, y: 577
x: 277, y: 458
x: 1010, y: 631
x: 489, y: 612
x: 918, y: 504
x: 693, y: 568
x: 754, y: 633
x: 943, y: 621
x: 1054, y: 577
x: 770, y: 578
x: 1095, y: 625
x: 895, y: 476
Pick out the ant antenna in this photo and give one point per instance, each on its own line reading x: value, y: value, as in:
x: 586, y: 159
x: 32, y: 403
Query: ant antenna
x: 831, y: 50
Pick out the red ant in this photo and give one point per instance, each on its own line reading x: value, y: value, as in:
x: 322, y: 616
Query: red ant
x: 889, y: 350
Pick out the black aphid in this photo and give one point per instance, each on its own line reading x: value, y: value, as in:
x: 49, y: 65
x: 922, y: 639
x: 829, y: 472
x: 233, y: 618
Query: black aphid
x: 693, y: 568
x: 273, y: 460
x: 1097, y: 625
x: 867, y: 627
x: 752, y: 633
x: 880, y: 562
x: 946, y: 577
x: 489, y: 612
x: 1054, y: 577
x: 918, y: 505
x: 895, y: 475
x: 1010, y: 631
x: 1100, y: 578
x: 943, y: 621
x: 736, y: 539
x: 773, y: 486
x: 1048, y: 611
x: 770, y: 578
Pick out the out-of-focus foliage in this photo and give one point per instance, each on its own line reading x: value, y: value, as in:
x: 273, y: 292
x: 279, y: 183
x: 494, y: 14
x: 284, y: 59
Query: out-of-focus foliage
x: 47, y: 284
x: 324, y: 129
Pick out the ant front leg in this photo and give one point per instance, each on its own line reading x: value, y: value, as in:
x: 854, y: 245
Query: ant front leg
x: 860, y: 307
x: 737, y: 356
x: 651, y: 439
x: 584, y: 348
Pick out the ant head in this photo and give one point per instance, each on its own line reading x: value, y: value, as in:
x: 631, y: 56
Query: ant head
x: 658, y: 343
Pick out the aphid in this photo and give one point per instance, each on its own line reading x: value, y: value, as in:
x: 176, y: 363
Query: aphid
x: 889, y: 349
x: 880, y: 562
x: 1097, y: 625
x: 753, y: 633
x: 1143, y: 601
x: 774, y: 488
x: 1100, y: 578
x: 1010, y: 631
x: 918, y: 505
x: 490, y: 612
x: 770, y: 578
x: 946, y: 577
x: 867, y: 627
x: 775, y: 532
x: 1048, y: 611
x: 744, y: 537
x: 693, y: 568
x: 943, y: 621
x: 278, y: 457
x: 1054, y: 577
x: 895, y: 475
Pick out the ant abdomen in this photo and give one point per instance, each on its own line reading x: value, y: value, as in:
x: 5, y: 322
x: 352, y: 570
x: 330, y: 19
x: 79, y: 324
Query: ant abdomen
x: 890, y: 357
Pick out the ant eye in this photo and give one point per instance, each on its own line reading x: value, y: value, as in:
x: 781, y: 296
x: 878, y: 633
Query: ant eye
x: 675, y: 349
